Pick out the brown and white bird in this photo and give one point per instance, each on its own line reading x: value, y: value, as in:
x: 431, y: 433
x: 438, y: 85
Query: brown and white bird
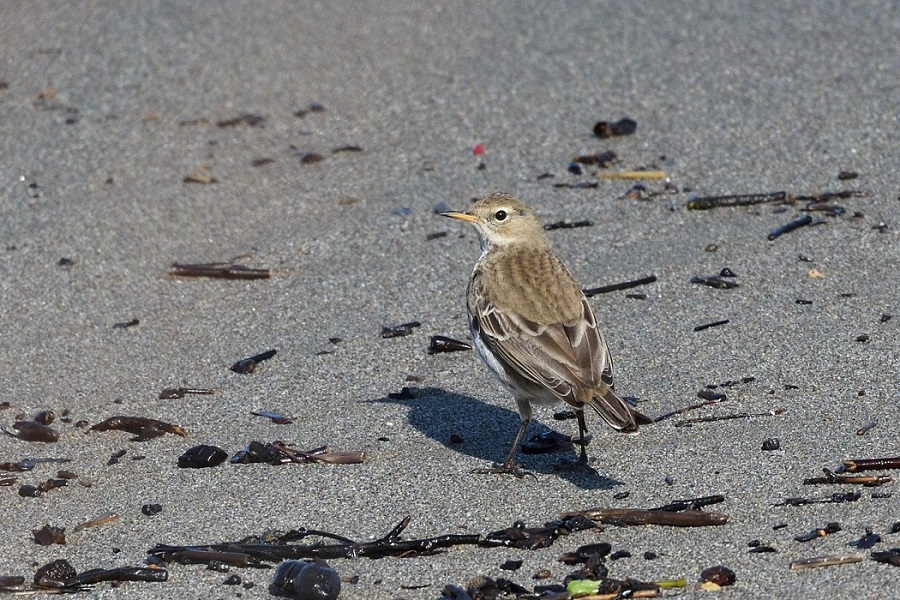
x: 532, y: 325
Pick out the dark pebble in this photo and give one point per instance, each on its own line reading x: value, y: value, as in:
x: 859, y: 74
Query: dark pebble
x: 720, y: 575
x: 29, y: 491
x: 511, y: 565
x: 151, y: 509
x: 771, y: 444
x: 307, y: 580
x: 600, y: 549
x: 202, y: 456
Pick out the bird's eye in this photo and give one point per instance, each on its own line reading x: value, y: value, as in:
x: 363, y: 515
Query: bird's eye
x: 500, y: 215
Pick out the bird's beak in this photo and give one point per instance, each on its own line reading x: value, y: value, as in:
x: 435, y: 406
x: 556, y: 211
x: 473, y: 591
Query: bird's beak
x: 461, y: 216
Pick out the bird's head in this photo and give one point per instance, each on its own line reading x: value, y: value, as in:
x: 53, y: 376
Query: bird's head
x: 502, y: 220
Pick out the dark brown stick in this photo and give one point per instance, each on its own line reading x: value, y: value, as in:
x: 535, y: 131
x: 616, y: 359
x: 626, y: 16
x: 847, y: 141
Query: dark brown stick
x: 615, y: 287
x: 218, y: 271
x: 872, y: 464
x: 639, y: 516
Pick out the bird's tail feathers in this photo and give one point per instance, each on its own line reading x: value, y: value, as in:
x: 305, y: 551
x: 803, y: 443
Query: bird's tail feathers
x: 617, y: 413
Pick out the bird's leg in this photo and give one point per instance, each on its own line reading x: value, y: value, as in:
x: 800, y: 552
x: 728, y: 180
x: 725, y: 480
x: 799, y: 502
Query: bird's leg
x: 509, y: 465
x: 582, y: 429
x: 582, y: 462
x: 510, y: 462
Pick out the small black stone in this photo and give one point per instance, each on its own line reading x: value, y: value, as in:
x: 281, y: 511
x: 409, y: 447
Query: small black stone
x: 511, y: 565
x: 202, y: 456
x: 771, y: 444
x: 151, y: 509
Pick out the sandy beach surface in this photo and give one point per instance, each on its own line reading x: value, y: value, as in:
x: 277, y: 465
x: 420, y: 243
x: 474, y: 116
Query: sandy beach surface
x: 318, y: 140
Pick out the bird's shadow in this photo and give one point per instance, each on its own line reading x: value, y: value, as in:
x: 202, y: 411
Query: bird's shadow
x: 487, y: 432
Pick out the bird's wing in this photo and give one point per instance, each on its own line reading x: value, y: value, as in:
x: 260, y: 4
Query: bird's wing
x: 567, y: 359
x: 572, y: 361
x: 560, y: 356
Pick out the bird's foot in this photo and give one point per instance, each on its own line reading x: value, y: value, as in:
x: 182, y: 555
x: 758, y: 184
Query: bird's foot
x: 507, y: 469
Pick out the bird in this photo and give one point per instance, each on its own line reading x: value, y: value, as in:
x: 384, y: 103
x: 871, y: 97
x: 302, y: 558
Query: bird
x: 533, y: 327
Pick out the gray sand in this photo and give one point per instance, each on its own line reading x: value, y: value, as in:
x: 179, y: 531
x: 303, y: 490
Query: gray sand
x: 728, y: 99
